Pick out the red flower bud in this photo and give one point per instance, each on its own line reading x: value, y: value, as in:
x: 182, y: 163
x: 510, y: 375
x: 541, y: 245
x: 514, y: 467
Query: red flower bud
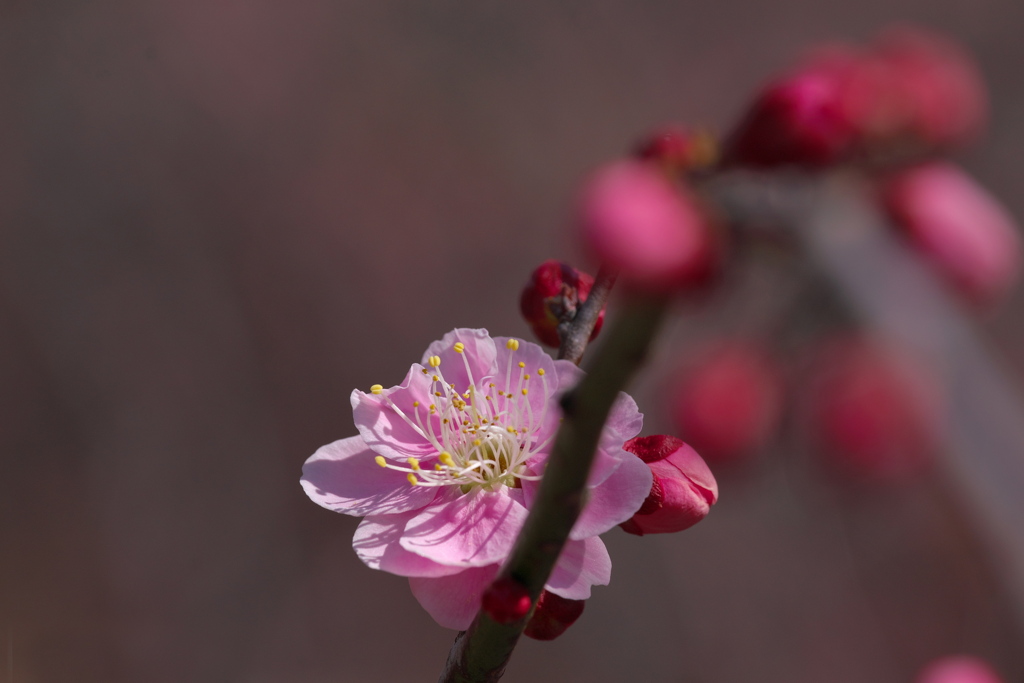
x: 729, y: 402
x: 653, y: 233
x: 554, y: 614
x: 874, y: 413
x: 799, y: 120
x: 959, y: 669
x: 930, y: 88
x: 961, y: 229
x: 678, y: 150
x: 554, y: 292
x: 506, y: 600
x: 683, y: 490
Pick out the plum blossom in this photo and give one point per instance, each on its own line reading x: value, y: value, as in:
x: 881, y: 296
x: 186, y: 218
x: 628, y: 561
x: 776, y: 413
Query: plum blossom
x: 447, y: 463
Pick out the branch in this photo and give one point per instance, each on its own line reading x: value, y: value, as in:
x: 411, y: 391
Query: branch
x: 480, y: 654
x: 575, y: 333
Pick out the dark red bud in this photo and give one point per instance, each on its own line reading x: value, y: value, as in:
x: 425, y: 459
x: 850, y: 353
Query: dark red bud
x: 553, y: 294
x: 506, y: 600
x: 554, y: 614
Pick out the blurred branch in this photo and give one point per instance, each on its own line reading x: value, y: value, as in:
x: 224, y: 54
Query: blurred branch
x: 481, y: 653
x: 890, y: 290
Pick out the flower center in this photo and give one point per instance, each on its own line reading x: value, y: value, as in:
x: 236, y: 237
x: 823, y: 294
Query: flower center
x: 482, y: 436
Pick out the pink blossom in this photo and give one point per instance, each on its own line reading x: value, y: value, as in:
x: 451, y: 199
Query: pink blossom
x: 960, y: 228
x: 447, y: 463
x: 633, y: 219
x: 958, y: 669
x: 683, y: 489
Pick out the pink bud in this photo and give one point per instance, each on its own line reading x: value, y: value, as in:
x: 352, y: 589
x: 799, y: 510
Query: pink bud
x: 959, y: 669
x: 961, y: 229
x: 554, y: 614
x: 799, y: 120
x: 875, y: 413
x: 683, y: 490
x: 632, y: 218
x: 506, y: 600
x: 932, y: 85
x: 728, y: 403
x: 555, y: 290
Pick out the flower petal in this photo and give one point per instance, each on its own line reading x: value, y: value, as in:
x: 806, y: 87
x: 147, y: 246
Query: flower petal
x: 478, y: 354
x: 616, y: 499
x: 384, y: 429
x: 470, y: 530
x: 542, y: 386
x: 343, y: 477
x: 454, y: 600
x: 581, y: 565
x: 376, y: 542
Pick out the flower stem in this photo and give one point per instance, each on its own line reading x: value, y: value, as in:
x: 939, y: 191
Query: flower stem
x: 481, y: 653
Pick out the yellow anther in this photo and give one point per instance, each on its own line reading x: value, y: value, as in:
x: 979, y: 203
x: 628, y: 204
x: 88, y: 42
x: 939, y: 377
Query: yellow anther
x: 487, y: 397
x: 413, y: 463
x: 380, y: 461
x: 477, y: 442
x: 511, y: 430
x: 436, y: 378
x: 433, y: 407
x: 445, y: 421
x: 437, y: 466
x: 540, y: 371
x: 446, y: 458
x: 412, y: 478
x: 512, y: 344
x: 424, y: 371
x: 527, y: 376
x: 522, y: 364
x: 376, y: 389
x: 415, y: 404
x: 459, y: 347
x: 434, y: 361
x: 491, y: 385
x: 525, y: 392
x: 437, y: 393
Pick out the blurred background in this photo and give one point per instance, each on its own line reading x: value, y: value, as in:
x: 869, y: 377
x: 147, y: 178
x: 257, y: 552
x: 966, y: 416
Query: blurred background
x: 217, y: 217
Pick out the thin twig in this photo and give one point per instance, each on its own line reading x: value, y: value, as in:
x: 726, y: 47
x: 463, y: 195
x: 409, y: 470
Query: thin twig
x: 480, y: 654
x: 575, y: 333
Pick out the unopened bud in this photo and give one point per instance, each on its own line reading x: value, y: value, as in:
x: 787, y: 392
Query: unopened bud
x: 553, y: 615
x: 800, y: 120
x: 958, y: 669
x: 683, y: 490
x: 728, y: 403
x: 958, y: 226
x: 653, y: 233
x: 553, y: 295
x: 875, y: 413
x: 506, y: 600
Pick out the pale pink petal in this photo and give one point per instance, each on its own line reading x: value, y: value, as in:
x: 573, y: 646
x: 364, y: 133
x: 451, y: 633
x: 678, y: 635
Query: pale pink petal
x: 470, y: 530
x: 624, y: 422
x: 454, y: 600
x: 616, y: 499
x: 581, y: 565
x: 569, y: 375
x: 376, y: 544
x: 342, y: 476
x: 541, y: 387
x: 478, y: 354
x: 384, y: 429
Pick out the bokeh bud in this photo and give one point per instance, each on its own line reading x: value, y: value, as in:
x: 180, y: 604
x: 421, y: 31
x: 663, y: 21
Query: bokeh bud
x: 958, y: 226
x: 683, y: 490
x: 653, y: 233
x: 728, y: 402
x: 958, y: 669
x: 553, y: 615
x: 875, y: 413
